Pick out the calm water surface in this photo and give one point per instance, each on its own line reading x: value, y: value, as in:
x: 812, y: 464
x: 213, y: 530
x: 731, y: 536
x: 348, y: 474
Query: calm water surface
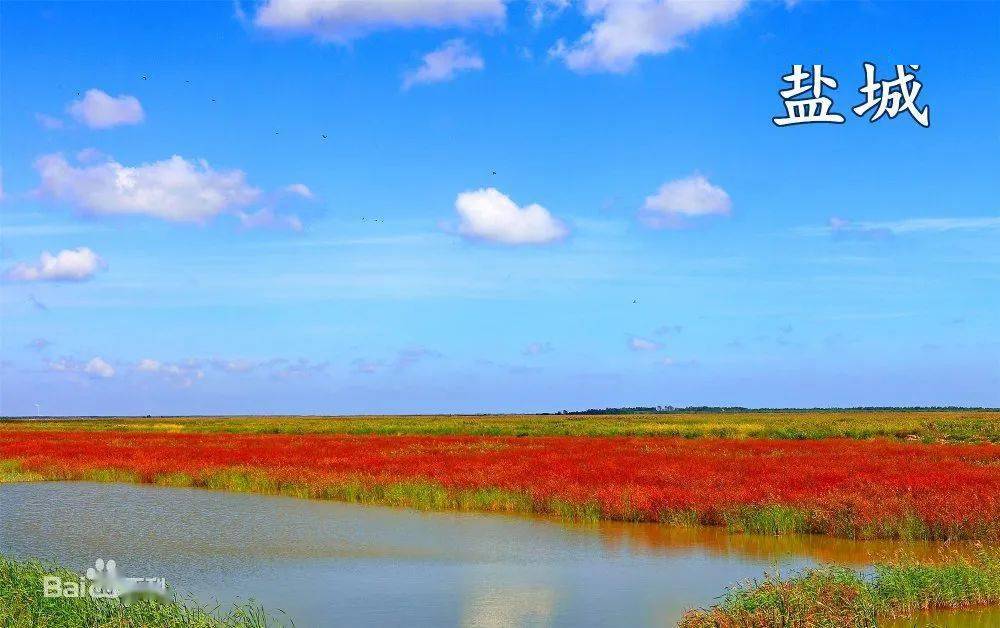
x: 330, y: 564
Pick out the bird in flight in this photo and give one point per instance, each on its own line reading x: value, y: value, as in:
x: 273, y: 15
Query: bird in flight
x: 145, y: 77
x: 324, y: 136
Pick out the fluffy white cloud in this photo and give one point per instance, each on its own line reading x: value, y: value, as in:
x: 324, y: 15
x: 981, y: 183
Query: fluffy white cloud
x: 97, y: 367
x: 635, y: 343
x: 173, y: 189
x: 182, y: 374
x: 66, y: 265
x: 343, y: 20
x: 627, y: 29
x: 149, y: 365
x: 690, y: 197
x: 444, y: 63
x: 98, y: 110
x: 487, y: 214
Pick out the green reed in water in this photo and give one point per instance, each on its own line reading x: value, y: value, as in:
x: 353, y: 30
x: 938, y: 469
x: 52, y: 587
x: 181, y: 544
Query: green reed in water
x: 832, y: 596
x: 23, y: 605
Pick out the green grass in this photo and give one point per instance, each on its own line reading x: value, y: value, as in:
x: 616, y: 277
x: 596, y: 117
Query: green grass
x: 916, y: 425
x: 416, y: 494
x: 838, y: 596
x: 22, y: 605
x: 11, y: 471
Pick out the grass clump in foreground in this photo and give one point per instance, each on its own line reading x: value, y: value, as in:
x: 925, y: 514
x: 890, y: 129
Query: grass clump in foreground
x: 23, y: 605
x: 839, y: 596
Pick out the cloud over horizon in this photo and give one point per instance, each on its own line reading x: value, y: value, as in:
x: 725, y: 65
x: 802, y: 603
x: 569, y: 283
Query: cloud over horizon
x: 95, y: 368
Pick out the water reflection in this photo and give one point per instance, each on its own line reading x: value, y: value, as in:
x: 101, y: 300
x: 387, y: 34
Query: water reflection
x: 499, y: 607
x: 976, y: 618
x: 672, y: 541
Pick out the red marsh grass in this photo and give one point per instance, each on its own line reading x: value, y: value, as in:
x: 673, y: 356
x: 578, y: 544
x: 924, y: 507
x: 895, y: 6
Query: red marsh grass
x: 842, y: 487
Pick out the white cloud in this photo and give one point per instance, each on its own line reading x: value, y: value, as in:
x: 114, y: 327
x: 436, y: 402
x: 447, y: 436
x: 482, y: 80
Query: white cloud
x: 66, y: 265
x: 266, y: 218
x: 690, y: 197
x: 300, y: 189
x: 627, y: 29
x: 444, y: 63
x: 48, y: 122
x: 344, y: 20
x: 238, y: 365
x: 149, y: 365
x: 182, y: 374
x: 488, y: 214
x: 542, y: 10
x: 173, y: 189
x: 97, y: 367
x: 98, y: 110
x: 635, y: 343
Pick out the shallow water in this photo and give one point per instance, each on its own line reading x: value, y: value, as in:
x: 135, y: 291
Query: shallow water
x: 326, y: 563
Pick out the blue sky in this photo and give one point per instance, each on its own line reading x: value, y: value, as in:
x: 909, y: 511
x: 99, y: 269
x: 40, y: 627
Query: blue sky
x: 189, y: 242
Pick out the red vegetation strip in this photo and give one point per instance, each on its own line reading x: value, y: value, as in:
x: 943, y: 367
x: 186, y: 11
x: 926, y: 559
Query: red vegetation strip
x: 841, y: 485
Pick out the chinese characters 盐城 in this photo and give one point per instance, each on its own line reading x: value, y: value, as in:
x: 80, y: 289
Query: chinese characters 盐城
x: 888, y: 97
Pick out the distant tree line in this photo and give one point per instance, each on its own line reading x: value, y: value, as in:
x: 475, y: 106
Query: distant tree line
x: 716, y: 409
